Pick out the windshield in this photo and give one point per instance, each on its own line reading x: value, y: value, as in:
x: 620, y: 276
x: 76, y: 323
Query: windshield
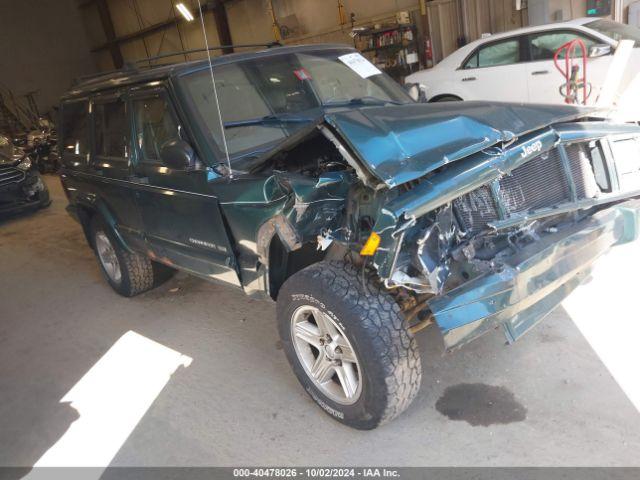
x: 265, y: 100
x: 616, y: 31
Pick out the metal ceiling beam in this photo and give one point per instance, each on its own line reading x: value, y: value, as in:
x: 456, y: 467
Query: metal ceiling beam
x: 145, y: 31
x: 110, y: 33
x: 222, y: 25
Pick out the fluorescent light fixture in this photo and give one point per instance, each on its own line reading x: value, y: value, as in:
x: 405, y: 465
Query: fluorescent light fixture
x: 182, y: 8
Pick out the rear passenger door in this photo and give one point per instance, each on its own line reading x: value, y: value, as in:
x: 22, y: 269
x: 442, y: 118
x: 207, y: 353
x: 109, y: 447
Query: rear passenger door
x: 111, y: 165
x: 495, y: 71
x: 182, y: 220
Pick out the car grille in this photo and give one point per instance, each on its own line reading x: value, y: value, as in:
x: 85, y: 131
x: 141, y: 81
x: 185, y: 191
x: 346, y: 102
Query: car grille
x: 9, y: 175
x: 539, y: 183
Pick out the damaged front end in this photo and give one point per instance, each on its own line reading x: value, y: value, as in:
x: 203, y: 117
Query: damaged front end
x: 473, y: 215
x: 502, y: 236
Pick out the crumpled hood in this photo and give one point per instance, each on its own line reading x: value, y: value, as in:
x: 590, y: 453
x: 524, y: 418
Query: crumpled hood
x: 401, y: 143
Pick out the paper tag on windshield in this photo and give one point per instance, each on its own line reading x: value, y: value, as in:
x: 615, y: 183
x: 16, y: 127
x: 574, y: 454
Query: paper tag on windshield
x: 360, y: 65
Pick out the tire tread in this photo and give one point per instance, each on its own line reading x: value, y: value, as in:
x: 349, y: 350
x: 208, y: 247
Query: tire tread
x: 384, y: 324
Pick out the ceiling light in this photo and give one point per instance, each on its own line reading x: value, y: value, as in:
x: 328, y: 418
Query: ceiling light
x: 185, y: 12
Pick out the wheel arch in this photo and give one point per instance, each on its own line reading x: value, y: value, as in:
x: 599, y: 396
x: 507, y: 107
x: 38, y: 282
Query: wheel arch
x: 282, y: 250
x: 442, y: 96
x: 283, y: 262
x: 88, y: 211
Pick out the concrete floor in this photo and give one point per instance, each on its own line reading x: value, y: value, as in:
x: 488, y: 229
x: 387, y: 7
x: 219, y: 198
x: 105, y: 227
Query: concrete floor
x: 237, y: 401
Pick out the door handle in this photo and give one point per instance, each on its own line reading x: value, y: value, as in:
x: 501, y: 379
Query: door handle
x: 540, y: 72
x: 469, y: 79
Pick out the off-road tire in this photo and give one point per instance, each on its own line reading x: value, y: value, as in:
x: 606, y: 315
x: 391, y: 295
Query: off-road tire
x: 374, y: 325
x: 138, y: 273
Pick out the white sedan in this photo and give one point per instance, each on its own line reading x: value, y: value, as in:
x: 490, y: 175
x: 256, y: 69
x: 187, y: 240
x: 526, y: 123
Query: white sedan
x: 518, y: 66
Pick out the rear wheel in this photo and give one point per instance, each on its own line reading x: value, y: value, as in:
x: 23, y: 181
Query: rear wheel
x: 128, y: 273
x: 348, y: 344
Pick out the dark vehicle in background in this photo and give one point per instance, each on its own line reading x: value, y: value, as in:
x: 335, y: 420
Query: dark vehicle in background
x: 366, y: 216
x: 21, y: 186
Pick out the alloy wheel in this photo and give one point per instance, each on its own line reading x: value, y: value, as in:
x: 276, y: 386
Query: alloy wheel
x: 326, y: 355
x: 108, y: 257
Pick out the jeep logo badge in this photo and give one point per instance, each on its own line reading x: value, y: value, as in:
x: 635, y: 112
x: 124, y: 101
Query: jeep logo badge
x: 528, y: 150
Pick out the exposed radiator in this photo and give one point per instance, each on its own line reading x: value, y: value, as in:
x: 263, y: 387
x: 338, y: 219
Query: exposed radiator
x: 539, y: 183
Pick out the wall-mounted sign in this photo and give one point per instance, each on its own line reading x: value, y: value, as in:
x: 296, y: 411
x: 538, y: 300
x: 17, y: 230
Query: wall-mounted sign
x: 598, y: 8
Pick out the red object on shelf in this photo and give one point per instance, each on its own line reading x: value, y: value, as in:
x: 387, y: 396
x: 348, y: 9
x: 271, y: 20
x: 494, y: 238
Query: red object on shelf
x: 570, y: 72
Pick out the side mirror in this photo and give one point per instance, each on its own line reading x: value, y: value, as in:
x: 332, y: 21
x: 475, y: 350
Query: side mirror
x: 600, y: 50
x: 178, y: 155
x: 415, y: 91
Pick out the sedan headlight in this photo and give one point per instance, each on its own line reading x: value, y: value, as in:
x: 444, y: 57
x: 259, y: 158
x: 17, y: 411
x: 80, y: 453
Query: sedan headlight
x: 24, y: 165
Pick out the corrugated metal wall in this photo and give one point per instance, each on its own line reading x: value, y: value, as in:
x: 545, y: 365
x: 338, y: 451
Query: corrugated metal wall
x: 309, y: 21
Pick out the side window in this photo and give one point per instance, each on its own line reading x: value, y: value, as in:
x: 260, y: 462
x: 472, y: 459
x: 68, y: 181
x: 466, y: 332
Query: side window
x: 545, y: 45
x: 500, y: 53
x: 155, y: 126
x: 75, y: 139
x: 111, y: 129
x: 472, y: 62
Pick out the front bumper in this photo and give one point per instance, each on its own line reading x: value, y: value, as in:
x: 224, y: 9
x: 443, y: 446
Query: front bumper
x: 31, y: 192
x: 536, y: 279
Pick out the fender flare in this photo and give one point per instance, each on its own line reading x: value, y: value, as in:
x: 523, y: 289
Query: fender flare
x: 90, y: 206
x: 287, y: 234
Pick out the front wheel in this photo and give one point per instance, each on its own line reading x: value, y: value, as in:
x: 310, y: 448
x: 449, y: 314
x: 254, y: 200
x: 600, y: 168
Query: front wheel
x: 348, y: 344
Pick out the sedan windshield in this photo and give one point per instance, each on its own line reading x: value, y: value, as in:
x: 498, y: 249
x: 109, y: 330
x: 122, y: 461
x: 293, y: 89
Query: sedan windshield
x: 267, y: 99
x: 616, y: 31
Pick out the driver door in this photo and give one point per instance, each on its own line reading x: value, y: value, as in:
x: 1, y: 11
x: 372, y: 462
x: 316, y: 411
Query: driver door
x: 182, y: 220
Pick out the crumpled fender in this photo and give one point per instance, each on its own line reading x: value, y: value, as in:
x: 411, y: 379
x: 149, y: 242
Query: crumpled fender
x: 311, y: 205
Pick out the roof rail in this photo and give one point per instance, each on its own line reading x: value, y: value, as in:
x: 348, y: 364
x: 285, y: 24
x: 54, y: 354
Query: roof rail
x: 127, y: 68
x: 132, y: 67
x: 197, y: 50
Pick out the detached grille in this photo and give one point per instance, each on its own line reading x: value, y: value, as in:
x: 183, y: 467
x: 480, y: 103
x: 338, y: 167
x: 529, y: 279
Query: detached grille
x: 539, y: 183
x: 10, y: 175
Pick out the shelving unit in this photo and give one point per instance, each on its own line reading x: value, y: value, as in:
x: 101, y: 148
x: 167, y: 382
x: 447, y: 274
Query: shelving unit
x: 393, y: 48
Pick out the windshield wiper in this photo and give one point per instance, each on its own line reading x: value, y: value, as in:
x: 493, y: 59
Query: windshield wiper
x: 268, y: 120
x: 361, y: 101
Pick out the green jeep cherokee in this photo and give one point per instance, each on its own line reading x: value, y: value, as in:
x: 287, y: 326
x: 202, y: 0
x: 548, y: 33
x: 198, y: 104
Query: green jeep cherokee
x: 309, y: 177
